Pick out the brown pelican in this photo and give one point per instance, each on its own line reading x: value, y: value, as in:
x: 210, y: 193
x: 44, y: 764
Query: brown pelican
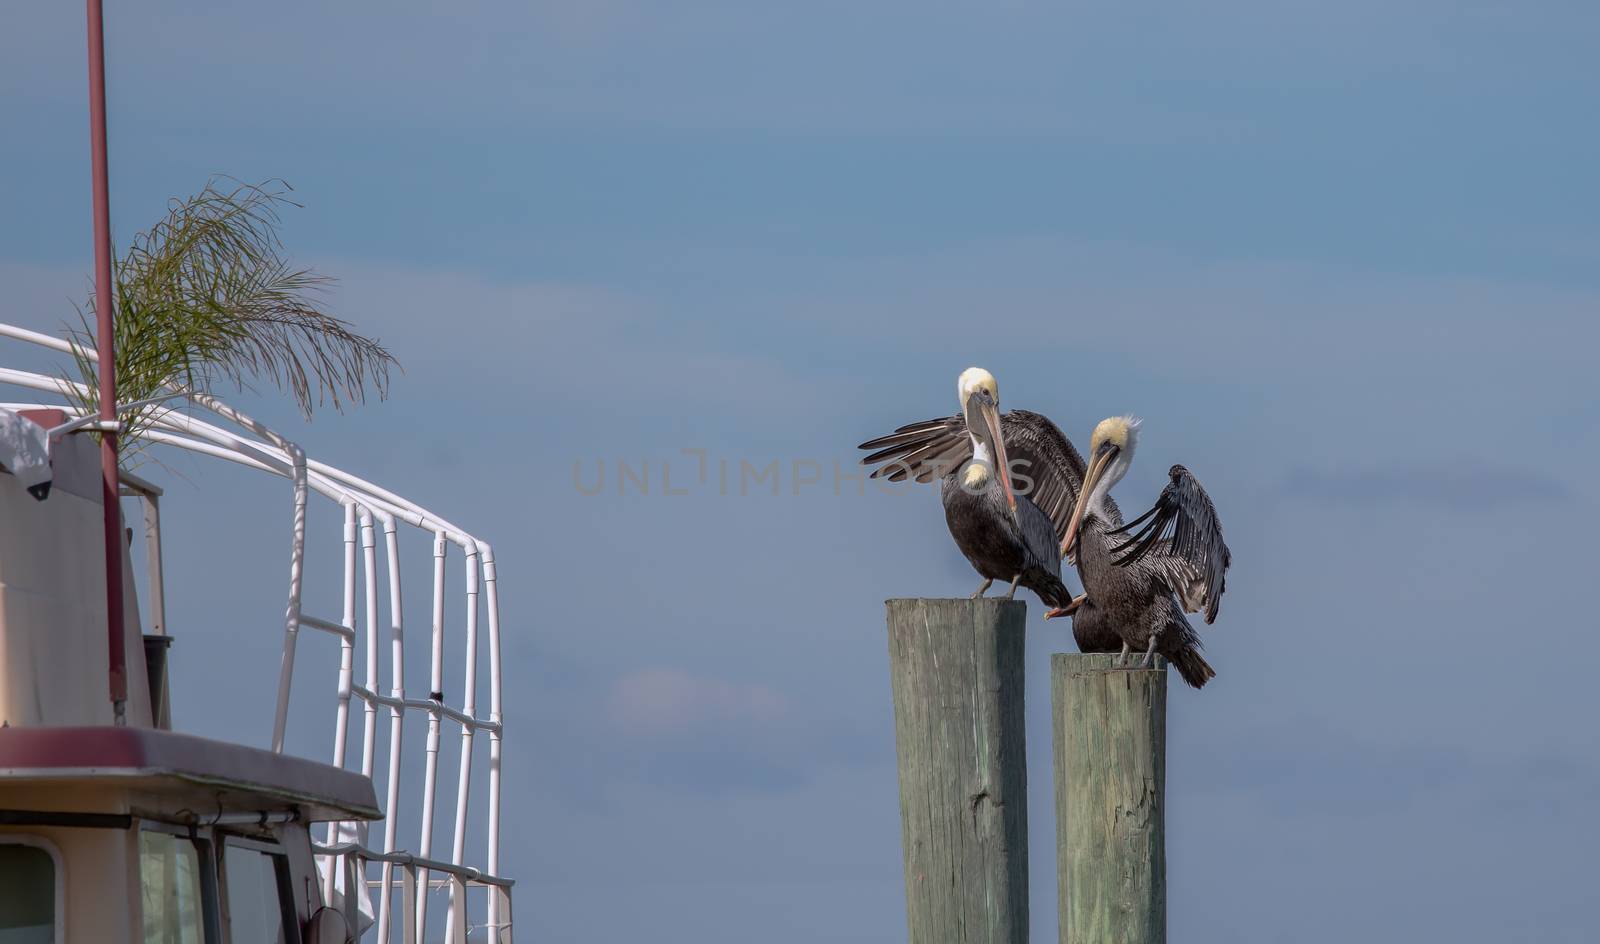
x: 1006, y: 533
x: 1141, y: 585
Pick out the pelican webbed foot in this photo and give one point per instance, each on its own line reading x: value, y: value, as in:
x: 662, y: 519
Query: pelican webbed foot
x: 1149, y: 652
x: 982, y: 588
x: 1069, y: 609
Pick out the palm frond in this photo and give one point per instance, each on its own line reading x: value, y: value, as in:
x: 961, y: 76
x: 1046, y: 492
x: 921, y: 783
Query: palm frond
x: 206, y: 295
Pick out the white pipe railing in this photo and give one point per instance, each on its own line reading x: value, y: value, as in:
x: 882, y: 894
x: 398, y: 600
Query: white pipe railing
x: 396, y: 708
x: 499, y: 911
x: 436, y: 694
x: 469, y: 706
x: 365, y: 505
x: 347, y: 648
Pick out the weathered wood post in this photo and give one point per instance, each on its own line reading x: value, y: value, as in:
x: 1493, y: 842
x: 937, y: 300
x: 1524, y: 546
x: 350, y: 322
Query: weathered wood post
x: 1111, y: 788
x: 956, y: 667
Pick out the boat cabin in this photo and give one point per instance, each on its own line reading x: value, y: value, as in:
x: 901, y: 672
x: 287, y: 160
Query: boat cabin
x: 133, y: 833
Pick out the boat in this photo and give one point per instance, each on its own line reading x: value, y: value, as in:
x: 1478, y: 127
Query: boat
x: 122, y: 828
x: 115, y: 826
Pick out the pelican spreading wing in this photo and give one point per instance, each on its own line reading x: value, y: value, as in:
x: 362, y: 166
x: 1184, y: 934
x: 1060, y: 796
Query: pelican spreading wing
x: 1142, y: 583
x: 1182, y: 535
x: 1044, y: 464
x: 1036, y: 468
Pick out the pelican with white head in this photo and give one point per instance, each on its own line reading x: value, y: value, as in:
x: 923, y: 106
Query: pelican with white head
x: 1007, y: 526
x: 979, y: 397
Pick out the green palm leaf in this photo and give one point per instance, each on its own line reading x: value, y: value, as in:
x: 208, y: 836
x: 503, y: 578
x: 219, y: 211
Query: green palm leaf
x: 207, y: 296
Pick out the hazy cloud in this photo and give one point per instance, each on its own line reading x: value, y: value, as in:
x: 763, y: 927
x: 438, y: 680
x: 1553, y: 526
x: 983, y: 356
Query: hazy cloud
x: 667, y: 701
x: 1458, y: 486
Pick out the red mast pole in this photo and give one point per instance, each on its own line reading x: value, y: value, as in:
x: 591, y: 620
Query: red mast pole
x: 104, y: 292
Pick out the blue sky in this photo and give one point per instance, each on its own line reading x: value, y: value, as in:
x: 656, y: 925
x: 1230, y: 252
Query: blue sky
x: 1342, y: 258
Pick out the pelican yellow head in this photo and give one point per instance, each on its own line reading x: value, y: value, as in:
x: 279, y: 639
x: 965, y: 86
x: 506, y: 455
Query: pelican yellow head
x: 1119, y: 431
x: 975, y: 380
x: 1110, y: 451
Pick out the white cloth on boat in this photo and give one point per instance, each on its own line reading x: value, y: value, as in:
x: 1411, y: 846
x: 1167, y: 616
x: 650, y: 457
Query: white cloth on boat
x: 366, y: 915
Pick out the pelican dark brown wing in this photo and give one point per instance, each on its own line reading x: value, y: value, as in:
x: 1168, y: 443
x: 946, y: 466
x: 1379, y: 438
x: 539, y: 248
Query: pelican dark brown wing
x: 1040, y: 452
x: 922, y: 451
x: 1044, y: 464
x: 1182, y: 538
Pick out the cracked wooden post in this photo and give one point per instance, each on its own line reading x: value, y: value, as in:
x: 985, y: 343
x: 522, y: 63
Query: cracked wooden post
x: 1111, y: 794
x: 956, y: 668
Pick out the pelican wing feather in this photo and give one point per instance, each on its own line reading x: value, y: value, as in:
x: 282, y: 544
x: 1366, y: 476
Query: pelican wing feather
x: 1181, y: 538
x: 1045, y: 466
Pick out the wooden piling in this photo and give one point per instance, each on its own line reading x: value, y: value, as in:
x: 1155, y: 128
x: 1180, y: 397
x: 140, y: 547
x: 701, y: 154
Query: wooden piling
x: 956, y: 667
x: 1110, y: 779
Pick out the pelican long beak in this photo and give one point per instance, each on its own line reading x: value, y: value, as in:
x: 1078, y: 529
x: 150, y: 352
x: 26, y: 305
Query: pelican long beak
x: 1097, y: 468
x: 991, y: 421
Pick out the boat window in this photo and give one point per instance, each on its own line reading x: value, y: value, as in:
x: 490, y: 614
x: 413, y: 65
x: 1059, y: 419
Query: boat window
x: 169, y: 870
x: 258, y: 895
x: 27, y: 894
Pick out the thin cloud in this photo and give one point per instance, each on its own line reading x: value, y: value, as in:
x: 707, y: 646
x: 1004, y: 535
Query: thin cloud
x: 665, y: 701
x: 1452, y: 485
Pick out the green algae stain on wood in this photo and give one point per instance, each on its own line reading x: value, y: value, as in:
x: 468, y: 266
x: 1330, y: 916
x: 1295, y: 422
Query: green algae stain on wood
x: 1110, y: 791
x: 957, y: 671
